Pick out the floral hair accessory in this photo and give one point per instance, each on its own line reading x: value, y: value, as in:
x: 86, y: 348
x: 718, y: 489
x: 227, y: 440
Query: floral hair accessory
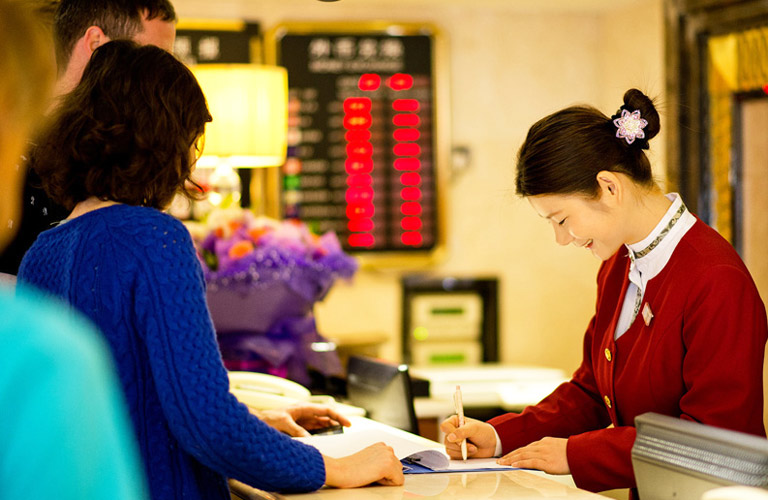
x: 629, y: 126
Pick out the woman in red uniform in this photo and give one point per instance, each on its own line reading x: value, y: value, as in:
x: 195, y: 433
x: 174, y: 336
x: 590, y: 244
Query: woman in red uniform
x: 679, y: 327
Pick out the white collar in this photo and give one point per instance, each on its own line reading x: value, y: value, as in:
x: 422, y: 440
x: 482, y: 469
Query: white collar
x: 650, y: 255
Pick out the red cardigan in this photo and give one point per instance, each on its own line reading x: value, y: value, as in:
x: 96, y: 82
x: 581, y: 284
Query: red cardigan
x: 700, y: 358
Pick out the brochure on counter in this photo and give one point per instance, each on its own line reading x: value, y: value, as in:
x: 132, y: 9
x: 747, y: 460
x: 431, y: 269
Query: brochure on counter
x: 416, y: 458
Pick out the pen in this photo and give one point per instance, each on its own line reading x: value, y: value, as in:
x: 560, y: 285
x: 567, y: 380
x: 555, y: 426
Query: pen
x: 460, y: 412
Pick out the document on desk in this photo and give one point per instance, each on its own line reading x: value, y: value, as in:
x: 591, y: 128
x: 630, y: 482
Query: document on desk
x: 416, y: 457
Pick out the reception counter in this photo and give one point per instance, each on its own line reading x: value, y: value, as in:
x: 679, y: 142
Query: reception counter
x: 515, y: 484
x: 507, y: 484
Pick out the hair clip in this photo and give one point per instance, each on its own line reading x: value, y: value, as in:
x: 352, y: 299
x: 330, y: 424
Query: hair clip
x: 630, y: 126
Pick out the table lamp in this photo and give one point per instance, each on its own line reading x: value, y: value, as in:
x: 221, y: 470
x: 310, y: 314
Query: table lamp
x: 249, y: 105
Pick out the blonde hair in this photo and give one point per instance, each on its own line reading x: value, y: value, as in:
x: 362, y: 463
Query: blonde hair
x: 28, y: 69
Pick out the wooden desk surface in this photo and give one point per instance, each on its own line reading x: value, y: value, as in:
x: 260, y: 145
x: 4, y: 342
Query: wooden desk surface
x: 516, y: 484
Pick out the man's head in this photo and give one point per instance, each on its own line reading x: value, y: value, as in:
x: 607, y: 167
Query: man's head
x: 80, y: 26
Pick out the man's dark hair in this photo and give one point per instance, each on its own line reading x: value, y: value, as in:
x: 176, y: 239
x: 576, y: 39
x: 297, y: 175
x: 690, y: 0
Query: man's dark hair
x: 118, y: 19
x: 126, y: 132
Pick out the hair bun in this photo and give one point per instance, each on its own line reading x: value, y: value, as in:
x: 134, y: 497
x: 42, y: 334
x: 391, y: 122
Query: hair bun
x: 636, y: 100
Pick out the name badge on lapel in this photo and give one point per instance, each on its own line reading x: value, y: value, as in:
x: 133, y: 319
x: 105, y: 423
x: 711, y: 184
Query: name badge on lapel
x: 647, y: 314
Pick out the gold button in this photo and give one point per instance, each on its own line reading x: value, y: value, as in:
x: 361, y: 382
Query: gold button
x: 607, y: 401
x: 608, y: 354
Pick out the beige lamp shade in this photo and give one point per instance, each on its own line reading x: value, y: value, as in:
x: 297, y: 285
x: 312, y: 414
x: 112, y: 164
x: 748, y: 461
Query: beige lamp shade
x: 249, y: 105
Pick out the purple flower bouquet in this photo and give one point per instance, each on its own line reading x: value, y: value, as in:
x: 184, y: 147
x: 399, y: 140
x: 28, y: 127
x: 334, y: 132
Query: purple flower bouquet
x: 263, y: 277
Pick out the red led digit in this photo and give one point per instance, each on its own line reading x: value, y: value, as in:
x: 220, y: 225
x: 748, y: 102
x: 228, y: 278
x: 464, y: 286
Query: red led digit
x: 369, y: 81
x: 361, y: 240
x: 357, y: 134
x: 359, y: 195
x: 360, y: 210
x: 357, y: 105
x: 359, y: 150
x: 360, y: 225
x: 411, y: 238
x: 406, y: 134
x: 400, y: 81
x: 407, y: 164
x: 362, y: 121
x: 410, y: 179
x: 410, y: 193
x: 358, y: 166
x: 410, y: 208
x: 359, y: 180
x: 405, y: 105
x: 406, y: 149
x: 406, y: 120
x: 411, y: 223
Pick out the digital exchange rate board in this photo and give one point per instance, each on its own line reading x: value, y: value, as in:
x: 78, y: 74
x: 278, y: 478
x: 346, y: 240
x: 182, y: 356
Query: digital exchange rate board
x: 362, y: 138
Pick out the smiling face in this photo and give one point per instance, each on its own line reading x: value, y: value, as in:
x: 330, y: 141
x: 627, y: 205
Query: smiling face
x: 587, y: 223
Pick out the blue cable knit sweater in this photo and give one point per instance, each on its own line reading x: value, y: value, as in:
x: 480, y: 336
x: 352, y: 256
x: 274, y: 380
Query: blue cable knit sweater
x: 134, y: 272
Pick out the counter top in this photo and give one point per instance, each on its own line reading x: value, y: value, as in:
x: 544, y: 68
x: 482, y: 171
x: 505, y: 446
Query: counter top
x: 516, y: 484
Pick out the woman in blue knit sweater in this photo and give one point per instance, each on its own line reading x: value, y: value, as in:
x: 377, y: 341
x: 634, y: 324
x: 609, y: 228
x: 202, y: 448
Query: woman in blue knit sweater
x: 122, y: 144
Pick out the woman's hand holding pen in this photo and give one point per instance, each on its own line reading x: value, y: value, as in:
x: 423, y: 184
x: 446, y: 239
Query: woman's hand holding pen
x: 480, y: 436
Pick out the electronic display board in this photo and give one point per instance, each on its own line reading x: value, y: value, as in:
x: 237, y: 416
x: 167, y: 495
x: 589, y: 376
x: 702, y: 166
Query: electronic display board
x: 362, y: 135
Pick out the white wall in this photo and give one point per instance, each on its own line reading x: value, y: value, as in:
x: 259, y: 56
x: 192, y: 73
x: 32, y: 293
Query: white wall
x: 510, y: 63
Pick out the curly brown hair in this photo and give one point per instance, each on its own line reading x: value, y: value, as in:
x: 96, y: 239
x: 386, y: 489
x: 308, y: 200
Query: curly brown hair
x: 126, y: 132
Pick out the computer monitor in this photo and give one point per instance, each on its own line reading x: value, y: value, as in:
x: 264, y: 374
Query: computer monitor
x: 383, y: 389
x: 676, y: 459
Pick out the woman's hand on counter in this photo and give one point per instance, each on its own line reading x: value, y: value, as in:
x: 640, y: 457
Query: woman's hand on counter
x: 374, y: 464
x: 547, y: 455
x: 296, y: 420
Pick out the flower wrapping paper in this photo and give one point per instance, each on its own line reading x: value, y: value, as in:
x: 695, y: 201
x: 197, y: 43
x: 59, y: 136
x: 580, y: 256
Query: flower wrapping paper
x: 263, y: 277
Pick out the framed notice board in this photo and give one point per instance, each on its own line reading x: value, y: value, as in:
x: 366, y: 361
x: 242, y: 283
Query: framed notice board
x: 365, y: 134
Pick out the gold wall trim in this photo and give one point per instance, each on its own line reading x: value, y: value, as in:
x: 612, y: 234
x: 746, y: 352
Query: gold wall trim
x: 738, y: 62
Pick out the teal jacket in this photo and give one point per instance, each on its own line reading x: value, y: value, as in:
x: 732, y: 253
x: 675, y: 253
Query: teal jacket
x: 65, y: 428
